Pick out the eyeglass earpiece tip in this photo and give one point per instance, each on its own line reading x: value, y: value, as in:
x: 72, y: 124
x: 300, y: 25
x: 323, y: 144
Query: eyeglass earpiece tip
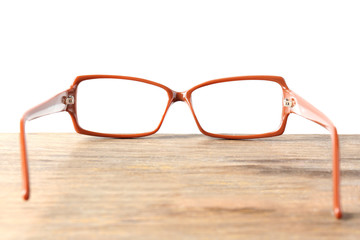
x: 337, y: 213
x: 26, y: 195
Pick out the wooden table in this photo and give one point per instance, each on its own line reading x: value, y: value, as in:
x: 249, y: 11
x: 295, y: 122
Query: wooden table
x: 178, y: 187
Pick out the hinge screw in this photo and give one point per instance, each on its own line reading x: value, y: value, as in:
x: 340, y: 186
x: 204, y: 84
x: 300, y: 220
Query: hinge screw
x: 69, y: 100
x: 289, y: 102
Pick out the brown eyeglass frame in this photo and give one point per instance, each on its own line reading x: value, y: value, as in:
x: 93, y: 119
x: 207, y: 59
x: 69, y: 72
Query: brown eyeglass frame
x: 293, y: 103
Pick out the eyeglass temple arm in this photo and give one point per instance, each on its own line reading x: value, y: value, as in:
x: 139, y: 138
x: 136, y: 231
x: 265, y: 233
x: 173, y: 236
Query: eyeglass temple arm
x: 55, y: 104
x: 303, y: 108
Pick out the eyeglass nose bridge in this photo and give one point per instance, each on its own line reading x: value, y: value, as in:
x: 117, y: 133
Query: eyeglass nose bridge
x: 179, y: 96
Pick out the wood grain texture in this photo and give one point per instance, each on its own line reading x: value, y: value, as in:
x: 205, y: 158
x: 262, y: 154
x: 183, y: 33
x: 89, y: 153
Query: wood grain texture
x: 178, y: 187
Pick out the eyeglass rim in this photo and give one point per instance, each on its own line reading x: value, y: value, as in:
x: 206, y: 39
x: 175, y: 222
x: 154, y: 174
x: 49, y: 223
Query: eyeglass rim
x: 186, y: 97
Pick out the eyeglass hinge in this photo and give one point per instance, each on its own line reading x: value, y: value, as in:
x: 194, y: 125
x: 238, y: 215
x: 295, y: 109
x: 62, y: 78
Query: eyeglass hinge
x: 69, y: 100
x: 289, y: 102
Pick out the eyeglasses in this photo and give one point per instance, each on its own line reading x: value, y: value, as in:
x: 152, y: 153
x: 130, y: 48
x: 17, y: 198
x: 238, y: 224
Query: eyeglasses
x: 233, y: 108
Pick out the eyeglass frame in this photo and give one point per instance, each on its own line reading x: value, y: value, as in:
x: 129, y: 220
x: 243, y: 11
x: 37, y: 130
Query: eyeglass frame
x: 292, y: 103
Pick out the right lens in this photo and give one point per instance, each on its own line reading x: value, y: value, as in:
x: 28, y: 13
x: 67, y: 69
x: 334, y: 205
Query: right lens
x: 120, y: 106
x: 238, y: 108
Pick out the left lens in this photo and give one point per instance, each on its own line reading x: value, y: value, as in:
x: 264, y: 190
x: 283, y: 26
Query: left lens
x: 120, y: 106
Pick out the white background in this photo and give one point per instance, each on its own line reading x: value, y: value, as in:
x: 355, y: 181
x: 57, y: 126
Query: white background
x: 314, y: 45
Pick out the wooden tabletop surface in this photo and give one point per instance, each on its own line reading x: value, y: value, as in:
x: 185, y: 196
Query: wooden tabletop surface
x: 178, y: 187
